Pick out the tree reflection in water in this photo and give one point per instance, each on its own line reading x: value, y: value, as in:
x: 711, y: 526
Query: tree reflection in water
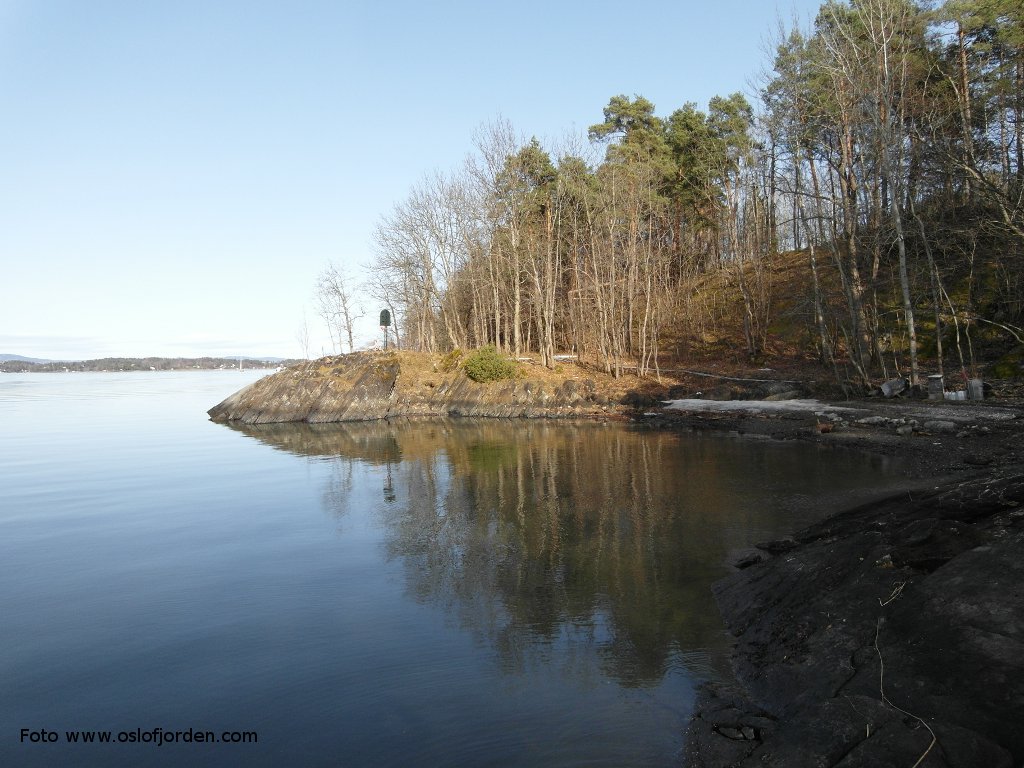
x: 586, y: 539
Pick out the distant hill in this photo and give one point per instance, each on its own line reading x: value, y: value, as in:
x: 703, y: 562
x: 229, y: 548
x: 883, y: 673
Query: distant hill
x: 4, y: 358
x: 21, y: 364
x: 21, y: 359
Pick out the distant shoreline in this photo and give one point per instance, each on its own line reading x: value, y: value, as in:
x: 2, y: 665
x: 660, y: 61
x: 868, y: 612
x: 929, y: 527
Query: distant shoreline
x: 120, y: 364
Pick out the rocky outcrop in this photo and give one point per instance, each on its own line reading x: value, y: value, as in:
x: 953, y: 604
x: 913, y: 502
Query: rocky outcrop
x: 879, y: 635
x: 368, y: 386
x: 733, y: 388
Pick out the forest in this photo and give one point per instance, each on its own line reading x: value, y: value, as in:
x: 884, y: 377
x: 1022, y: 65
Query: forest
x: 865, y: 211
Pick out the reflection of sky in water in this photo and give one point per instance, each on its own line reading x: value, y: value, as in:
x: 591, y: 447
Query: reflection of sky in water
x: 508, y: 593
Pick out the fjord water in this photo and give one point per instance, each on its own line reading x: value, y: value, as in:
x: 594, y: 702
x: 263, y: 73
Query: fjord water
x: 440, y: 593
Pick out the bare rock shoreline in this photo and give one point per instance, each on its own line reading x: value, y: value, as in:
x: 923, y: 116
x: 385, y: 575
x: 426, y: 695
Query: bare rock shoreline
x: 889, y: 634
x: 370, y: 386
x: 882, y: 634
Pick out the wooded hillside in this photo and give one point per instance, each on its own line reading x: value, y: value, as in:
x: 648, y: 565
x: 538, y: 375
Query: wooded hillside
x: 882, y: 166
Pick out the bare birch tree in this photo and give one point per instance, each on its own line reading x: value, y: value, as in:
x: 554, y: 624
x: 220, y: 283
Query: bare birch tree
x: 338, y: 305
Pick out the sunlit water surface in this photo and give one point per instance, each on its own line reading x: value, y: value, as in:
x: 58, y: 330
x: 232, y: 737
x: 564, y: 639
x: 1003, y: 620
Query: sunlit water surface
x: 439, y: 594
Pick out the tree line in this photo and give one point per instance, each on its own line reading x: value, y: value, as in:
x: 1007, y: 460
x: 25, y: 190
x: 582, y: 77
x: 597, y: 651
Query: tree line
x: 884, y: 147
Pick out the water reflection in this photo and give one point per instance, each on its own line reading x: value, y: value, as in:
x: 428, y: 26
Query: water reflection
x: 582, y: 539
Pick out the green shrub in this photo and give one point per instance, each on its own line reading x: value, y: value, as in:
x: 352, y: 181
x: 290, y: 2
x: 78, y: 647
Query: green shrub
x: 486, y: 364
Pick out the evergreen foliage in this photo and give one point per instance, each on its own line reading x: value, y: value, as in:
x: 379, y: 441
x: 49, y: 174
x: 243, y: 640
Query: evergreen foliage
x: 487, y: 364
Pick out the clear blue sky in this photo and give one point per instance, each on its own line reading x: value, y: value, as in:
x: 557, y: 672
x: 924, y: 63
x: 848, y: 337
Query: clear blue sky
x: 174, y: 175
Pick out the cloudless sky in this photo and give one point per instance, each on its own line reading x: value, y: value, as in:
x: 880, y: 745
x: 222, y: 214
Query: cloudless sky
x: 174, y: 175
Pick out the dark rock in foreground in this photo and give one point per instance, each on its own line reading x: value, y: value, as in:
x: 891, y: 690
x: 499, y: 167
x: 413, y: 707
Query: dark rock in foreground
x: 887, y: 632
x: 368, y: 386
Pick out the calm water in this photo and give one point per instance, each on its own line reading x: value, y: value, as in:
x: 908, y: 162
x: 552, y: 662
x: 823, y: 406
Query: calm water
x: 437, y: 594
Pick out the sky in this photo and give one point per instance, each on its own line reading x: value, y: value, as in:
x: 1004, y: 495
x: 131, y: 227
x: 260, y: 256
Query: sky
x: 175, y: 175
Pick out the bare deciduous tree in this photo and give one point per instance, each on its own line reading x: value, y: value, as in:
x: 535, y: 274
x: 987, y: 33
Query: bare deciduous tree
x: 338, y: 306
x: 302, y: 336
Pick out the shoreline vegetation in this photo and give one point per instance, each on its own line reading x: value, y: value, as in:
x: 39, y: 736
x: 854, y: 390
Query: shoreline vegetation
x: 878, y: 636
x: 862, y: 206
